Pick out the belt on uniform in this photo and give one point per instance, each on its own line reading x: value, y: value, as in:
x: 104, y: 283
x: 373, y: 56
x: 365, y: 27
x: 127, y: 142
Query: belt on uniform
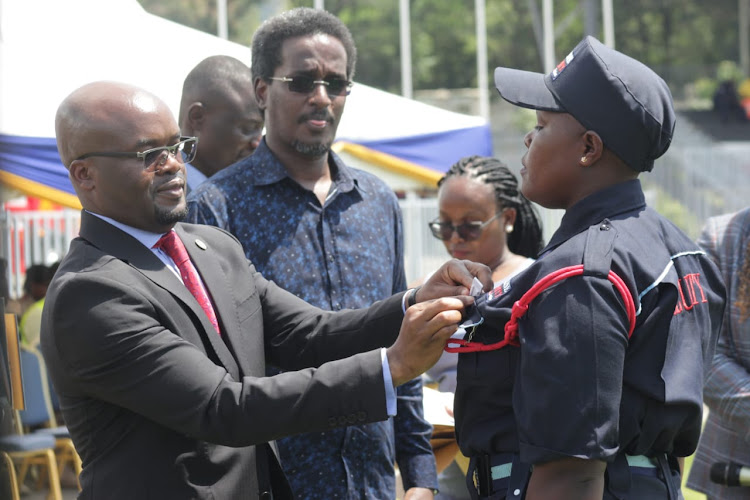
x: 624, y: 469
x: 634, y: 461
x: 643, y: 465
x: 492, y: 472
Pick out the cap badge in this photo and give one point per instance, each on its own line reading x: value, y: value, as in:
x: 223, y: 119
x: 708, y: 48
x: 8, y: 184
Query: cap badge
x: 560, y: 67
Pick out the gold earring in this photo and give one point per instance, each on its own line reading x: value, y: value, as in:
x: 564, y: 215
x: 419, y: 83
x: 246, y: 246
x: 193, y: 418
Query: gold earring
x: 584, y: 159
x: 509, y: 228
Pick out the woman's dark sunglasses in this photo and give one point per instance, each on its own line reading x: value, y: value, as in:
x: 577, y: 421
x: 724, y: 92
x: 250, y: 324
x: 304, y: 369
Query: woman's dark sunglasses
x: 468, y: 231
x: 305, y: 84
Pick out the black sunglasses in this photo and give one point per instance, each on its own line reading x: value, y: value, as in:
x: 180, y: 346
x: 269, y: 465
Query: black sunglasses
x: 305, y: 84
x: 156, y: 158
x: 468, y: 231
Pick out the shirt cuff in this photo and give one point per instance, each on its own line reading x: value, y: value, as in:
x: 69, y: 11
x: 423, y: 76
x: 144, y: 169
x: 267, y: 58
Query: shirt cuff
x: 419, y: 471
x: 390, y: 391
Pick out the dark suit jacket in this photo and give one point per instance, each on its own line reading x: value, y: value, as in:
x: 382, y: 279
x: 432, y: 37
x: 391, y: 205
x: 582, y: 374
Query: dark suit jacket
x: 160, y: 406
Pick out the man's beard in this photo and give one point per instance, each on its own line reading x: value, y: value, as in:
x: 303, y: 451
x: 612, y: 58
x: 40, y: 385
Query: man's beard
x: 312, y: 150
x: 170, y: 217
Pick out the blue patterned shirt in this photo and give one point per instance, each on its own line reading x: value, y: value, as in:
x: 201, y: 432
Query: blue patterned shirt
x: 346, y: 254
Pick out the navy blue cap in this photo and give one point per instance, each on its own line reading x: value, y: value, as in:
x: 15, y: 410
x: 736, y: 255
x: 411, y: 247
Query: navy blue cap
x: 619, y: 98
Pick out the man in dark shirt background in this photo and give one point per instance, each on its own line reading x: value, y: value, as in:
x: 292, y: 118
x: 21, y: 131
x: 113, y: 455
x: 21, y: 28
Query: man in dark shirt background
x: 329, y: 234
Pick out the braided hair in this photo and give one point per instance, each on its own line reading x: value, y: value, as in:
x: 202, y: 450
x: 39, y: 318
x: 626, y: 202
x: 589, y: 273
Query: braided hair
x: 526, y: 239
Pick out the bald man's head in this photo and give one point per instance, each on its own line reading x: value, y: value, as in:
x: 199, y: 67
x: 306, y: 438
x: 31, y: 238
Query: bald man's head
x: 99, y: 115
x: 101, y: 130
x: 212, y: 79
x: 218, y: 106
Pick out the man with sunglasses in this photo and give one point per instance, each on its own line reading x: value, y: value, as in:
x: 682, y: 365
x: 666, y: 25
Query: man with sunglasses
x: 156, y: 332
x: 330, y: 234
x: 218, y: 107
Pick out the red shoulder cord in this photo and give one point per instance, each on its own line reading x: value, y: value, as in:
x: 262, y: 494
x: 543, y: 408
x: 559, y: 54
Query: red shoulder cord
x: 522, y: 305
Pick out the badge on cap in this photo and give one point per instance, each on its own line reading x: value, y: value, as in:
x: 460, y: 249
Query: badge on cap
x: 560, y: 67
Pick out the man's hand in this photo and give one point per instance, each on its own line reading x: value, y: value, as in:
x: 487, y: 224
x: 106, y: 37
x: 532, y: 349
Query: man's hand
x: 419, y: 494
x: 424, y: 331
x: 454, y: 278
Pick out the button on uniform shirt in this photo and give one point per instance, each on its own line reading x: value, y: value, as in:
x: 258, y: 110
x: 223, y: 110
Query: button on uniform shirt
x: 347, y: 253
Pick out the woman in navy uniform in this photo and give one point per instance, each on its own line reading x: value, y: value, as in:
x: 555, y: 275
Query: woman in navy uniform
x: 594, y: 387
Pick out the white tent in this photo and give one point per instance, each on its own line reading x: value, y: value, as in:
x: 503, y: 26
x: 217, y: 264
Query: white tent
x: 48, y: 48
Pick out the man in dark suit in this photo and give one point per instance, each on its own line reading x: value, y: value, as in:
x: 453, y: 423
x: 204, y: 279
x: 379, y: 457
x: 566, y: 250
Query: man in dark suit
x: 161, y: 401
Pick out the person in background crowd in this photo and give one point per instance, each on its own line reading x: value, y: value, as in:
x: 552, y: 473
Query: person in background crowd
x: 725, y: 439
x: 484, y: 218
x: 218, y: 107
x: 4, y: 282
x: 727, y: 103
x: 156, y: 332
x: 330, y: 234
x: 34, y: 288
x: 30, y: 324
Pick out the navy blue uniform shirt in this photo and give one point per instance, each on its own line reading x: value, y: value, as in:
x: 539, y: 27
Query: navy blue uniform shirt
x: 578, y: 386
x: 345, y: 254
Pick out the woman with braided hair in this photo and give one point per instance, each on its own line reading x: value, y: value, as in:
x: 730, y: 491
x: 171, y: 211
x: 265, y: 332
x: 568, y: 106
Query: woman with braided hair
x: 483, y: 217
x: 726, y: 239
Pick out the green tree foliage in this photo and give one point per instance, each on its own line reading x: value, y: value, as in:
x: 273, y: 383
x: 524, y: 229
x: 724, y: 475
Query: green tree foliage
x: 243, y: 16
x: 683, y: 40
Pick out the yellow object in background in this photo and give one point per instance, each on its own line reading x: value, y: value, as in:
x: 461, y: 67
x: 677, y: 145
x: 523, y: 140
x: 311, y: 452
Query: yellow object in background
x: 744, y: 89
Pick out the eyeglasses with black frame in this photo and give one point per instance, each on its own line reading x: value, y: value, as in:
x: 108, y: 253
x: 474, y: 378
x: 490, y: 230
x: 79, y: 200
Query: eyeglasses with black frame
x: 153, y: 159
x: 467, y: 231
x: 303, y: 84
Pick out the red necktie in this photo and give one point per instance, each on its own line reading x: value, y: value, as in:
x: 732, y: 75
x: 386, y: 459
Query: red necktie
x: 171, y: 245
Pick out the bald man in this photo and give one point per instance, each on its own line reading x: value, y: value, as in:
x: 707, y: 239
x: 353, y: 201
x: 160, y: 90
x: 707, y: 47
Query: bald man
x: 218, y: 107
x: 156, y: 332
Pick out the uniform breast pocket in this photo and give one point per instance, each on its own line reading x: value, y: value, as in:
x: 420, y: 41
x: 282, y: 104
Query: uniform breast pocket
x: 488, y: 376
x: 498, y: 365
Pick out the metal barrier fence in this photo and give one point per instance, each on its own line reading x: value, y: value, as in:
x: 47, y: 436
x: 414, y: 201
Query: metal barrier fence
x: 34, y: 237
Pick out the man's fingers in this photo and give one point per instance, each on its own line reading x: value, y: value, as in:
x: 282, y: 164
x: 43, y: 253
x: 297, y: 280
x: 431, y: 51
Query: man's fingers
x: 442, y: 318
x: 445, y: 321
x: 434, y: 307
x: 480, y: 271
x: 443, y: 334
x: 455, y: 278
x: 424, y: 332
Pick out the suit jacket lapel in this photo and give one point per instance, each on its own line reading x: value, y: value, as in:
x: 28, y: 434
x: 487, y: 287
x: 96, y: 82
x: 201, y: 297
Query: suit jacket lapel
x: 126, y: 248
x: 204, y: 259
